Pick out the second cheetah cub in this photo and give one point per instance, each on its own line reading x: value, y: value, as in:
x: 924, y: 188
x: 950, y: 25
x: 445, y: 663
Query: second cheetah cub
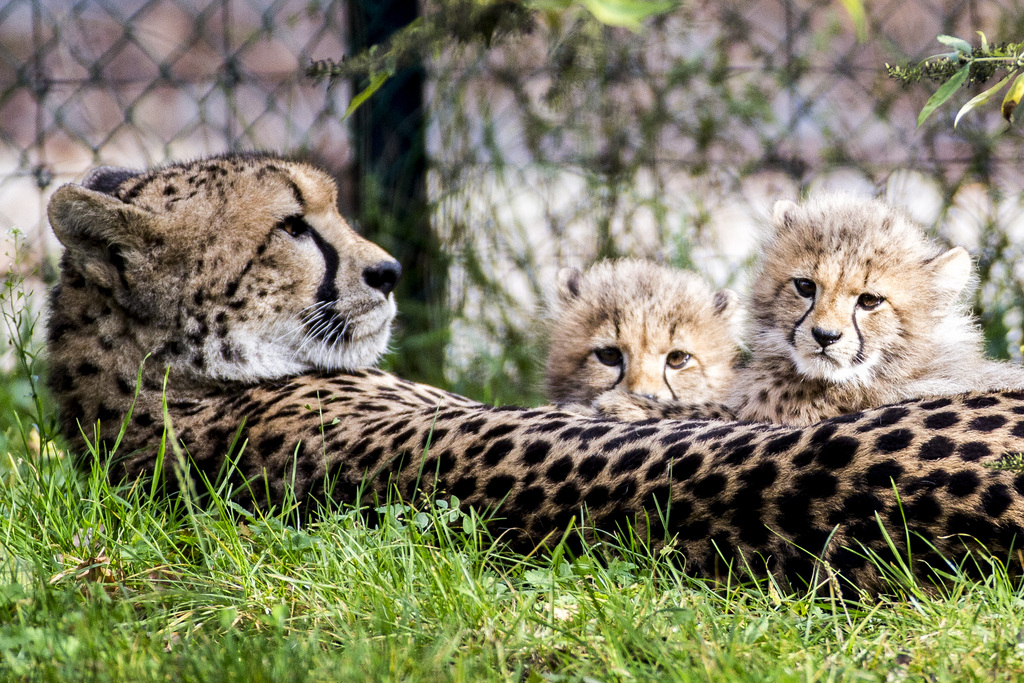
x: 853, y: 307
x: 639, y: 329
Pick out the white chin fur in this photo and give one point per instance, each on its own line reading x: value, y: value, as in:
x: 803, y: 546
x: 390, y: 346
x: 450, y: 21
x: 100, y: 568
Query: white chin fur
x: 819, y: 366
x: 285, y: 350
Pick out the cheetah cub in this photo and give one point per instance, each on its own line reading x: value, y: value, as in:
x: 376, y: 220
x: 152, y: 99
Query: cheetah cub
x: 628, y: 330
x: 854, y: 307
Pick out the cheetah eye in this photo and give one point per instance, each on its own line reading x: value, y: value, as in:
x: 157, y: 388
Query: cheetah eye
x: 804, y: 287
x: 677, y: 359
x: 870, y: 302
x: 293, y: 225
x: 609, y: 355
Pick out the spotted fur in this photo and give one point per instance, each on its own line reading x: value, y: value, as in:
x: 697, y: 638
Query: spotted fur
x: 230, y: 269
x: 753, y: 498
x: 634, y: 327
x: 854, y: 307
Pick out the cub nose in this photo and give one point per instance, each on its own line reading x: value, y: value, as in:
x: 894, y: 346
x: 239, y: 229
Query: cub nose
x: 383, y: 276
x: 825, y: 337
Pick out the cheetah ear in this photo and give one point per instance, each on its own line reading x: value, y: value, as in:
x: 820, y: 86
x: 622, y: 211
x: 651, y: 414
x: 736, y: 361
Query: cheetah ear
x: 726, y: 303
x: 952, y: 272
x: 96, y: 229
x: 569, y: 283
x: 784, y: 214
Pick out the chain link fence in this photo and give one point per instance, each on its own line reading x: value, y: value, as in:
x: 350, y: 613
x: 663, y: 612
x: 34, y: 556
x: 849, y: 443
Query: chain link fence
x: 572, y: 142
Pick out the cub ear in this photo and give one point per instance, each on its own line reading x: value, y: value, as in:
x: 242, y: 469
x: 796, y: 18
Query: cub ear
x: 952, y: 273
x: 784, y: 214
x: 96, y: 229
x: 569, y: 283
x: 726, y: 303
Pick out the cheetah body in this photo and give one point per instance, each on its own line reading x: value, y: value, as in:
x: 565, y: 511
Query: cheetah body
x: 726, y: 496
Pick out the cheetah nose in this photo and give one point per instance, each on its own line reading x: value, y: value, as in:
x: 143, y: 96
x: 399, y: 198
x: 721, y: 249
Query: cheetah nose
x: 383, y: 276
x: 825, y: 337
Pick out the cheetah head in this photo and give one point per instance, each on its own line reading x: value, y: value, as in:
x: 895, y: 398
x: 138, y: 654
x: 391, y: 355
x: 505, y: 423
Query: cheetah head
x: 851, y: 289
x: 643, y: 328
x: 231, y: 268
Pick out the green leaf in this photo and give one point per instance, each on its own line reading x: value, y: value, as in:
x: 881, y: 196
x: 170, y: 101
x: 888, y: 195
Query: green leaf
x: 984, y: 41
x: 375, y: 83
x: 855, y: 8
x: 943, y: 93
x: 981, y: 99
x: 958, y: 44
x: 627, y: 13
x: 1012, y: 98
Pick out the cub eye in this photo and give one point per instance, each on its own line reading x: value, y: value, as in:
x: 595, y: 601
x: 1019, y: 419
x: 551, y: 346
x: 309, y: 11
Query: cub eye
x: 870, y: 302
x: 609, y: 355
x: 293, y: 225
x: 804, y: 287
x: 677, y: 359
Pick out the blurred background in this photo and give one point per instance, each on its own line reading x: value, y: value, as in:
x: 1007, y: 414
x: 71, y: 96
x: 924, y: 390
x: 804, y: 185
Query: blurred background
x: 500, y: 156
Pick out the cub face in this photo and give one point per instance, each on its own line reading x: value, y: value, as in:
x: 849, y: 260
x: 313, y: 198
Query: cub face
x: 237, y: 267
x: 847, y: 285
x: 640, y: 327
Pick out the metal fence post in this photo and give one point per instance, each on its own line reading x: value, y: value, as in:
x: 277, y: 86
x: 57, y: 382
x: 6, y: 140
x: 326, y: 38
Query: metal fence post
x: 390, y: 191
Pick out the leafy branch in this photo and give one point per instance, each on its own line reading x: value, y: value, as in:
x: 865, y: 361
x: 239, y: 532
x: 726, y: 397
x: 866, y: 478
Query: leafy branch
x: 967, y: 65
x: 470, y: 21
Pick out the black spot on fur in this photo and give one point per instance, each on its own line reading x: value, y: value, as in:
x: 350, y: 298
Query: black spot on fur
x: 686, y: 467
x: 594, y: 432
x: 597, y: 498
x: 987, y: 423
x: 963, y: 484
x: 530, y: 499
x: 739, y: 455
x: 974, y: 450
x: 939, y: 403
x: 567, y: 495
x: 996, y: 500
x: 559, y: 470
x: 892, y: 416
x: 472, y: 426
x: 804, y: 457
x: 630, y: 461
x: 823, y: 434
x: 270, y: 444
x: 499, y: 430
x: 883, y: 474
x: 657, y: 469
x: 86, y: 369
x: 838, y: 452
x: 941, y: 420
x: 535, y: 452
x: 894, y: 441
x: 935, y: 448
x: 499, y: 486
x: 981, y: 402
x: 464, y: 487
x: 924, y: 510
x: 781, y: 443
x: 498, y: 451
x: 591, y: 466
x: 709, y: 486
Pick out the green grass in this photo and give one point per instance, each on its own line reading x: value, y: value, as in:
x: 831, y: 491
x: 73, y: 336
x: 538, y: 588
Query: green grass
x: 102, y: 582
x: 109, y: 583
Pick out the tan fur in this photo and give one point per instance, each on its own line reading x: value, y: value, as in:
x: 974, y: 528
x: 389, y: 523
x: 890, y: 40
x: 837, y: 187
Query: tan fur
x: 918, y: 341
x: 672, y: 335
x: 904, y: 483
x: 191, y: 266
